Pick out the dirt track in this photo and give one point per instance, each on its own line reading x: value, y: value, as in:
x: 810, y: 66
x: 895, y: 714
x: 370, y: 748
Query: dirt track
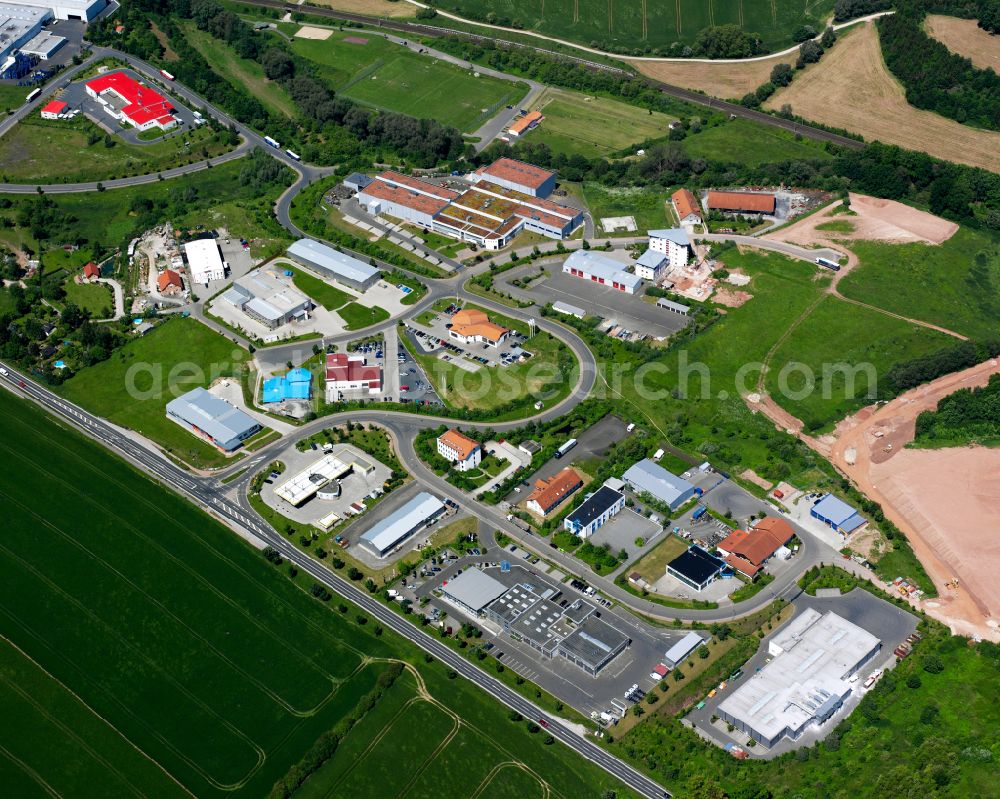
x: 852, y: 88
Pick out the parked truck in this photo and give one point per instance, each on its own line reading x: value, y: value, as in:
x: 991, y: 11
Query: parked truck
x: 565, y: 447
x: 700, y: 511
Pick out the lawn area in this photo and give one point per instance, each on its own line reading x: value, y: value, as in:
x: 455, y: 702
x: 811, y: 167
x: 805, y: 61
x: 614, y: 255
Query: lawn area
x: 198, y: 704
x: 510, y: 391
x: 648, y: 206
x: 579, y: 124
x: 239, y: 71
x: 837, y: 226
x: 357, y: 316
x: 12, y: 96
x: 327, y: 295
x: 837, y: 334
x: 51, y: 151
x: 388, y: 76
x: 955, y: 284
x: 653, y: 565
x: 744, y: 142
x: 94, y: 297
x: 151, y: 366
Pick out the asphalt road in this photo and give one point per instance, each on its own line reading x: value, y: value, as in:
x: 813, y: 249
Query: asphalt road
x: 241, y: 516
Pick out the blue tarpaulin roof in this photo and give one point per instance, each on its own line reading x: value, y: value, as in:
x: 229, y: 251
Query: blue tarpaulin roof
x: 295, y: 385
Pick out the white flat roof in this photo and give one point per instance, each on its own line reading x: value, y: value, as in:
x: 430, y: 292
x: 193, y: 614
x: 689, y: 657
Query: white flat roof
x: 385, y: 534
x: 333, y: 260
x: 204, y: 258
x: 610, y: 270
x: 331, y: 466
x: 684, y: 647
x: 474, y: 588
x: 812, y: 661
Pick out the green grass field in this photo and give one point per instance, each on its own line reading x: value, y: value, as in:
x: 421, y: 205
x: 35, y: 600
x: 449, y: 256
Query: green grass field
x: 357, y: 316
x: 744, y: 142
x: 653, y: 565
x: 648, y: 206
x: 387, y: 76
x: 157, y: 365
x: 547, y: 377
x: 96, y: 298
x: 330, y: 297
x: 955, y: 284
x: 215, y: 195
x: 147, y: 650
x: 578, y: 124
x: 48, y: 151
x: 636, y: 25
x: 836, y: 333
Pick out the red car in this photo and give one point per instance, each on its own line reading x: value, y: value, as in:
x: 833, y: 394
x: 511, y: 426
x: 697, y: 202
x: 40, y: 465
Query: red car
x: 543, y: 722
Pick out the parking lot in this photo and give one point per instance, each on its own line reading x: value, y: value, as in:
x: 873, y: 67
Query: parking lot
x: 594, y: 442
x: 355, y: 488
x: 76, y: 95
x: 622, y: 530
x: 433, y: 337
x: 628, y: 310
x: 419, y: 388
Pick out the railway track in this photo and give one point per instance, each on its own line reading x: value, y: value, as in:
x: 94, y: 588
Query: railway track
x: 677, y: 92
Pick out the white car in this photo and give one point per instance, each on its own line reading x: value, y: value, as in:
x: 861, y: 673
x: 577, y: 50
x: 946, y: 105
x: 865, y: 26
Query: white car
x: 4, y: 372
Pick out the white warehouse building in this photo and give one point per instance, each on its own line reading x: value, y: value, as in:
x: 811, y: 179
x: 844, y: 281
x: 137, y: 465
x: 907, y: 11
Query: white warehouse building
x: 332, y: 263
x: 396, y: 528
x: 84, y: 10
x: 204, y: 261
x: 601, y: 269
x: 807, y: 680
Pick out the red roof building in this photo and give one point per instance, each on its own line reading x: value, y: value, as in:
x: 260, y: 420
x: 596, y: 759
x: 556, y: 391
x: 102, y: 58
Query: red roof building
x: 513, y: 174
x: 54, y: 109
x: 748, y: 551
x: 686, y: 207
x: 349, y: 373
x: 169, y: 282
x: 91, y: 271
x: 741, y: 201
x: 548, y: 494
x: 458, y: 448
x: 126, y: 99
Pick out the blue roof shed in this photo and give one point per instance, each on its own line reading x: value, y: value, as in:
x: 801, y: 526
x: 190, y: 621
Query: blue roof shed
x: 837, y: 514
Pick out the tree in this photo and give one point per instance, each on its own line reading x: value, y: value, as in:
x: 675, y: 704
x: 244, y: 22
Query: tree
x: 727, y: 41
x: 933, y: 665
x: 828, y: 38
x: 782, y: 74
x: 809, y: 53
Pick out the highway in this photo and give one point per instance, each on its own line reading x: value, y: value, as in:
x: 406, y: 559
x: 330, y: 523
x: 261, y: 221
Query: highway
x: 212, y: 500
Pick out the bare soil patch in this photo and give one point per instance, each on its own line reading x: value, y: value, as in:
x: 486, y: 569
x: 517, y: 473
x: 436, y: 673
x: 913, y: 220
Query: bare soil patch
x: 309, y: 32
x: 751, y: 476
x: 874, y: 220
x: 728, y: 81
x: 161, y: 37
x: 946, y: 501
x: 377, y: 8
x: 965, y: 37
x: 852, y: 88
x: 731, y: 297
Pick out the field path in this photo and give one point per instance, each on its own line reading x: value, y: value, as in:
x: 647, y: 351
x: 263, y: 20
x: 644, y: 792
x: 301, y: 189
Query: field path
x: 595, y: 51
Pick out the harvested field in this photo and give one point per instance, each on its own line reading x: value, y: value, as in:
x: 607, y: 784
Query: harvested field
x: 726, y: 80
x: 376, y: 8
x: 965, y: 37
x: 943, y: 500
x: 875, y: 219
x: 852, y: 88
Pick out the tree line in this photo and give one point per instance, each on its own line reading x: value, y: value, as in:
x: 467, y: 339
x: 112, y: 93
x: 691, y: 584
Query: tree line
x: 933, y: 77
x: 970, y: 414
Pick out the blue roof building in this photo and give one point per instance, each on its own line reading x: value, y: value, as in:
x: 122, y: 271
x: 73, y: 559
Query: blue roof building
x: 296, y: 385
x: 837, y: 514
